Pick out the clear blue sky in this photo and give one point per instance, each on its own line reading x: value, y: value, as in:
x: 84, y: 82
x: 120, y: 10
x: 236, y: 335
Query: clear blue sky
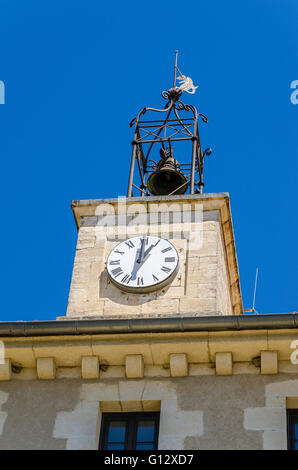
x: 76, y: 73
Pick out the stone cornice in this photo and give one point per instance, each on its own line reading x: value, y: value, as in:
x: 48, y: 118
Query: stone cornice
x: 87, y: 207
x: 201, y: 349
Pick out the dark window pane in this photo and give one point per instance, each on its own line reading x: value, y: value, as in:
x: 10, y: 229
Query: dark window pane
x: 117, y: 431
x: 296, y: 430
x: 145, y: 431
x: 115, y: 447
x: 126, y: 431
x: 144, y: 447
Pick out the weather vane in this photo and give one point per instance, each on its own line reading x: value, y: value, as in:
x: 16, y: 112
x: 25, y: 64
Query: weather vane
x: 179, y: 124
x: 186, y: 83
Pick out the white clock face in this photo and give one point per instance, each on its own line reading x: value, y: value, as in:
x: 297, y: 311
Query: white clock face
x: 142, y: 264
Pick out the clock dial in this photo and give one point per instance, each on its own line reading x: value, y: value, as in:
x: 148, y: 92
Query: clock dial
x: 142, y: 264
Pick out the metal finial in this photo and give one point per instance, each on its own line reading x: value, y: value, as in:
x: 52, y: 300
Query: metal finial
x: 175, y: 68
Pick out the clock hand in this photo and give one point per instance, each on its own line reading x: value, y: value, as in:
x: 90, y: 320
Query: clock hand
x: 137, y: 266
x: 139, y: 258
x: 142, y: 249
x: 149, y: 249
x: 147, y: 252
x: 143, y: 256
x: 146, y: 255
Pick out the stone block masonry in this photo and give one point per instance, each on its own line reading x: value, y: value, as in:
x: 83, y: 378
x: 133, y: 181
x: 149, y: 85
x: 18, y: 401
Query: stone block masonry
x: 207, y: 282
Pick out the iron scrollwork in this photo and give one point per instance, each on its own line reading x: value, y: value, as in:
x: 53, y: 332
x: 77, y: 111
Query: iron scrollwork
x: 163, y: 132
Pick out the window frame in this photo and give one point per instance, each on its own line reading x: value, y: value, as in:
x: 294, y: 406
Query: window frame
x: 292, y: 419
x: 131, y: 427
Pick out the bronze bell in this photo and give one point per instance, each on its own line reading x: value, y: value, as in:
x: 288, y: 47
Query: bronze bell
x: 167, y: 177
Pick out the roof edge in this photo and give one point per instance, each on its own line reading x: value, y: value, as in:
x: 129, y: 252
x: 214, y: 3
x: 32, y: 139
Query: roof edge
x: 149, y: 325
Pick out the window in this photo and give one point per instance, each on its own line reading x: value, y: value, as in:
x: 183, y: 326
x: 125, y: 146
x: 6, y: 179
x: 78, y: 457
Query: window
x: 129, y: 431
x: 292, y: 429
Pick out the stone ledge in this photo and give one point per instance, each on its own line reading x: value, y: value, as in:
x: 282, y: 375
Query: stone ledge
x: 153, y: 371
x: 128, y: 406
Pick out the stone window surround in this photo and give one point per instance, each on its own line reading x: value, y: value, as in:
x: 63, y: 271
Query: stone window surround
x: 272, y: 418
x: 81, y: 426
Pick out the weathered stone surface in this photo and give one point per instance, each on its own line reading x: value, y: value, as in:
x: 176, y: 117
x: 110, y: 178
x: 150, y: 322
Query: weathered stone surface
x: 200, y: 412
x: 207, y: 259
x: 197, y: 305
x: 5, y: 369
x: 178, y: 365
x: 134, y: 366
x: 90, y: 367
x: 269, y: 362
x: 160, y: 306
x: 46, y: 368
x: 223, y: 363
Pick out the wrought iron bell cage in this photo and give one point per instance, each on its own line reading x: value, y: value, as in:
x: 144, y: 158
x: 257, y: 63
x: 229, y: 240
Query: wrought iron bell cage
x: 180, y: 124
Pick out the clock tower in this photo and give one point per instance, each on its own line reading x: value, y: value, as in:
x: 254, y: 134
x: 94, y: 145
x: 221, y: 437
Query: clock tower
x: 166, y: 249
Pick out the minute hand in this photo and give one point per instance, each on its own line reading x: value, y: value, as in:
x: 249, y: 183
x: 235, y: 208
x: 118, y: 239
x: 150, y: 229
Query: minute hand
x: 141, y: 258
x: 148, y: 251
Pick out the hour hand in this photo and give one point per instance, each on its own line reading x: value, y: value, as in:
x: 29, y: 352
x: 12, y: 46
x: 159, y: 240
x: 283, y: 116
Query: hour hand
x: 141, y: 257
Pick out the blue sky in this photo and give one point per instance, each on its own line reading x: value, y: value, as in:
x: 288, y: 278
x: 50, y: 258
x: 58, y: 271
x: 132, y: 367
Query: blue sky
x: 76, y: 73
